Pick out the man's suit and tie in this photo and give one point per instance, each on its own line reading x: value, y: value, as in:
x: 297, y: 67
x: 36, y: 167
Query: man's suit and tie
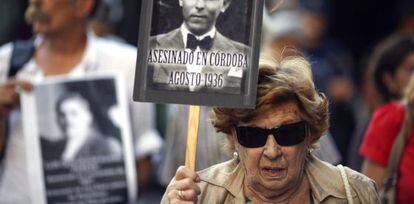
x: 161, y: 73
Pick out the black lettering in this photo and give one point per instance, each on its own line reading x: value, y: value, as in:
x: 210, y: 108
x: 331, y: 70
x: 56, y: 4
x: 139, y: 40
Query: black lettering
x: 211, y: 58
x: 198, y: 79
x: 150, y: 56
x: 222, y: 59
x: 234, y: 60
x: 165, y: 54
x: 182, y: 78
x: 171, y: 79
x: 216, y: 59
x: 191, y: 57
x: 204, y: 58
x: 176, y: 78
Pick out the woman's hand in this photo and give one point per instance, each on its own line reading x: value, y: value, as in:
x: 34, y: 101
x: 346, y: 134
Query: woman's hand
x: 183, y: 187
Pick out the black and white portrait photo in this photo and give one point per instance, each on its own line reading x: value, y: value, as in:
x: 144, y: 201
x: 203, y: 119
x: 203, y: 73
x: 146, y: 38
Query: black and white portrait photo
x: 196, y: 55
x: 80, y: 150
x: 199, y: 52
x: 83, y: 118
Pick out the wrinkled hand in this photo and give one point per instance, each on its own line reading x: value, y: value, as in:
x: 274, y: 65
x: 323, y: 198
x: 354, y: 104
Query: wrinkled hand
x: 9, y: 96
x: 183, y: 187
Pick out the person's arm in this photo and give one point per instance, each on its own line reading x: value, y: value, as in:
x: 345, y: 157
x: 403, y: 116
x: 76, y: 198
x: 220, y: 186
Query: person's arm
x: 374, y: 171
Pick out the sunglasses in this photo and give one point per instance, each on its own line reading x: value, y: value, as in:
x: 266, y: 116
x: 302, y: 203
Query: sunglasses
x: 285, y: 135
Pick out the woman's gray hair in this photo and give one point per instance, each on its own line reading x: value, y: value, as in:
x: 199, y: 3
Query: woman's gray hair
x: 281, y: 79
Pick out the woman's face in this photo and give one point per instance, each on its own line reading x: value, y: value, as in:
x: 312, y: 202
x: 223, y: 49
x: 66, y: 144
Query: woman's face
x: 402, y: 75
x: 273, y: 167
x: 75, y: 116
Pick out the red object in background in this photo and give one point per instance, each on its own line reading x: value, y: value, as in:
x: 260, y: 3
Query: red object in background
x: 379, y: 138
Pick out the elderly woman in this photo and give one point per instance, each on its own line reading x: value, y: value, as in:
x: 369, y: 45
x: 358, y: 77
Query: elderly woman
x: 271, y: 144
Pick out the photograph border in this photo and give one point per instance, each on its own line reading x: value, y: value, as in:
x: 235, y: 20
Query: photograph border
x: 144, y: 93
x: 32, y: 138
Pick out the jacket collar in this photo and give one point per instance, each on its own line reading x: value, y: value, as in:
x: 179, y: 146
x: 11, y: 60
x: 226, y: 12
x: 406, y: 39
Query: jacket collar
x: 324, y: 179
x: 228, y: 175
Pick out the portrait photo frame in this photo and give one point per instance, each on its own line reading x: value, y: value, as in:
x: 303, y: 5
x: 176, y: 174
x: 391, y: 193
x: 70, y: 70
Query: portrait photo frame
x: 224, y: 73
x: 55, y: 177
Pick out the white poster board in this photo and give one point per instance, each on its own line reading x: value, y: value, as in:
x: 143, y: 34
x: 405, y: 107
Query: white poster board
x: 78, y: 141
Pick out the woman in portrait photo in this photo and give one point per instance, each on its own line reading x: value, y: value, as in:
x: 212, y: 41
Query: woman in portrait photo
x: 86, y: 128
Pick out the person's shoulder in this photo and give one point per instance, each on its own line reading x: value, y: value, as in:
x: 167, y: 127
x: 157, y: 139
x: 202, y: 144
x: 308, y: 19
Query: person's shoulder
x: 359, y: 180
x: 113, y: 48
x: 164, y: 38
x: 218, y: 174
x: 363, y: 186
x: 327, y: 179
x: 221, y: 183
x: 388, y: 115
x: 231, y: 44
x: 392, y: 107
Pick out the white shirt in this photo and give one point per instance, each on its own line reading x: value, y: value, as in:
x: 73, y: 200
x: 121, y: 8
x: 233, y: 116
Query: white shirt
x: 100, y: 56
x: 194, y: 67
x: 185, y: 32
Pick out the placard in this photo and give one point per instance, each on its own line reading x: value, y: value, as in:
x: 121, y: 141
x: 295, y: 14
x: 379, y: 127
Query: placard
x: 199, y: 52
x: 78, y: 141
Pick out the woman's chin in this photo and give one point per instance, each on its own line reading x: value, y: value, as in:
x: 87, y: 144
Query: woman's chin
x: 273, y: 179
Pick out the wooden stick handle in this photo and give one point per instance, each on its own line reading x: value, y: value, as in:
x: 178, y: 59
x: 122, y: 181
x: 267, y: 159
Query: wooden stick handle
x: 191, y: 149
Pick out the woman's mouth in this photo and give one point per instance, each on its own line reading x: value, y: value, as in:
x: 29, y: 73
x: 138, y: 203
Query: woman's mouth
x: 273, y: 172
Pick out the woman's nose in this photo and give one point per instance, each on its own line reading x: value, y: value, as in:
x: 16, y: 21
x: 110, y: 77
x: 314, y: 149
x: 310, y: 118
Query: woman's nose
x: 272, y: 149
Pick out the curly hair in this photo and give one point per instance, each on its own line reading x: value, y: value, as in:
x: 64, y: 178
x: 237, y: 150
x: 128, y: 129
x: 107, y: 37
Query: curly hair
x: 280, y: 80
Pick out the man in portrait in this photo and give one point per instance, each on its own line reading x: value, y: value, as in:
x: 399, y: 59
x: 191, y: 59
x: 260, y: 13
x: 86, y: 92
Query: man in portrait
x: 196, y: 57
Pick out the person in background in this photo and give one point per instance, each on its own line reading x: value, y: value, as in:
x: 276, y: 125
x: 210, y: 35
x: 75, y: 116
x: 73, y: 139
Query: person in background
x: 391, y: 66
x: 271, y: 148
x: 283, y: 30
x: 332, y: 67
x: 63, y: 46
x: 406, y: 11
x: 370, y: 96
x: 108, y: 15
x: 392, y: 69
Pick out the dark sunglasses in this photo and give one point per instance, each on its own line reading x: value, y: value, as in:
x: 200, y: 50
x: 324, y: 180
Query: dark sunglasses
x: 285, y: 135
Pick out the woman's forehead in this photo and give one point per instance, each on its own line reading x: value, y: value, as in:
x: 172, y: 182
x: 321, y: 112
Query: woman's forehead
x: 276, y: 115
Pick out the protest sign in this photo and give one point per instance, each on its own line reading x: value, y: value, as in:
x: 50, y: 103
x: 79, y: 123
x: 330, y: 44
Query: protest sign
x: 199, y: 53
x: 78, y: 141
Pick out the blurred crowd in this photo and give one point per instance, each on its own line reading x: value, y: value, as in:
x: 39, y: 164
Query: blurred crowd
x: 363, y: 71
